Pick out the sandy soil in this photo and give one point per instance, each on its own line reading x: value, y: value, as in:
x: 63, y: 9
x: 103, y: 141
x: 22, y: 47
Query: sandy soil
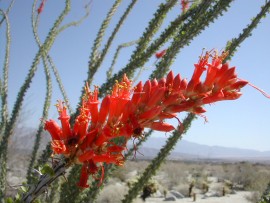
x: 239, y: 197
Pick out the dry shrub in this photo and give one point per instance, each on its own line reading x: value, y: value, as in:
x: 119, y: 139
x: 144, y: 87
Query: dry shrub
x: 173, y: 174
x: 131, y: 168
x: 120, y: 173
x: 254, y: 197
x: 253, y: 177
x: 182, y: 188
x: 112, y: 194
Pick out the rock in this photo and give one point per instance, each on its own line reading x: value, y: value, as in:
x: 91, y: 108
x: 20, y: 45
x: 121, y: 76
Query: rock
x: 210, y: 194
x: 239, y: 187
x: 158, y: 194
x: 178, y: 195
x: 170, y: 198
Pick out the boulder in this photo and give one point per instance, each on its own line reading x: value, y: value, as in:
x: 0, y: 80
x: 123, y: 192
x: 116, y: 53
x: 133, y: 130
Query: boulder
x: 170, y: 198
x: 178, y: 195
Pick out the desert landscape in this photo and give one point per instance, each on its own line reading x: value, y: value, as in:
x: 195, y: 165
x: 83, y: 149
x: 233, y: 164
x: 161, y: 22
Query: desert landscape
x: 189, y: 181
x: 181, y: 179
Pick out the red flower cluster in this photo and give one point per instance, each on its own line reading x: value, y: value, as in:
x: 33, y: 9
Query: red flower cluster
x: 128, y: 110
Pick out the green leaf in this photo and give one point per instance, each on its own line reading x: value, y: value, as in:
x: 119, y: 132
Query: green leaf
x: 46, y: 169
x: 17, y: 196
x: 24, y: 189
x: 9, y: 200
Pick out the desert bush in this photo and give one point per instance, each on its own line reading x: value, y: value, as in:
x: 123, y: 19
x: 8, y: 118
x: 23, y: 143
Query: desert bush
x: 251, y: 176
x: 112, y: 193
x: 254, y: 197
x: 182, y: 188
x: 172, y: 176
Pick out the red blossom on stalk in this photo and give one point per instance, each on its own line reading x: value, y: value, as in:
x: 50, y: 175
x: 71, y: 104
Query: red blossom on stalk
x: 185, y: 5
x: 41, y: 6
x: 160, y: 54
x: 128, y: 110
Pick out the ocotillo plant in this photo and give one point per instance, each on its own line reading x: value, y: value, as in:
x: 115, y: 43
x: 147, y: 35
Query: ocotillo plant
x: 91, y: 141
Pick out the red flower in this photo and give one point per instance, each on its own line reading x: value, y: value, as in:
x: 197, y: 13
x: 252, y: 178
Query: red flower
x: 160, y: 54
x: 41, y: 6
x: 84, y: 177
x: 185, y: 5
x: 127, y: 111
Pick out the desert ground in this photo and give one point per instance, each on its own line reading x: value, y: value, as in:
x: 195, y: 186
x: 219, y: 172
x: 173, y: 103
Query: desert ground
x: 239, y: 197
x: 219, y: 182
x: 178, y: 181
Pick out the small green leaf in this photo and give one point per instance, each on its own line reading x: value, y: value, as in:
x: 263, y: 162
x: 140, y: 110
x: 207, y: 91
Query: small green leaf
x: 24, y: 189
x: 9, y: 200
x: 17, y: 196
x: 46, y: 169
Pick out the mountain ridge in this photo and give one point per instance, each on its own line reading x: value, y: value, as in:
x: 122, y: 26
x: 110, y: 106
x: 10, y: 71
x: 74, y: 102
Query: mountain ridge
x: 183, y: 150
x: 200, y: 151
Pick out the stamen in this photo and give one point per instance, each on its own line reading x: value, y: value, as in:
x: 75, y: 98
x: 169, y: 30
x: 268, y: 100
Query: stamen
x: 260, y: 90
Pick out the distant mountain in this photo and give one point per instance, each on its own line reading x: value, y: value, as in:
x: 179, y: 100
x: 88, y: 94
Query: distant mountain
x: 184, y: 150
x: 189, y: 150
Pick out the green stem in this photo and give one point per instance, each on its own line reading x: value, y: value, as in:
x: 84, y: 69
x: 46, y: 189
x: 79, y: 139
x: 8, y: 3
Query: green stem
x: 156, y: 163
x: 95, y: 55
x: 20, y: 97
x: 36, y: 190
x: 189, y: 31
x: 47, y: 102
x: 94, y: 66
x: 140, y: 56
x: 235, y: 42
x: 69, y: 190
x: 46, y: 153
x: 78, y: 22
x: 121, y: 46
x: 266, y: 195
x: 7, y: 12
x: 4, y: 87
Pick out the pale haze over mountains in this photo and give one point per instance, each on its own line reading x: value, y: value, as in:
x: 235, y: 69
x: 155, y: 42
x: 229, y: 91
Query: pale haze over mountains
x: 183, y: 150
x: 190, y: 150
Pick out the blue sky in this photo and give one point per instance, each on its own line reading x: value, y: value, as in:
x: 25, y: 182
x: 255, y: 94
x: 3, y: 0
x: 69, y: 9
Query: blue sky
x: 243, y: 123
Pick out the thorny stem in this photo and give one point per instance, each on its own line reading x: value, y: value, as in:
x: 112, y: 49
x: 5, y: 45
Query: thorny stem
x: 121, y: 46
x: 20, y: 97
x: 9, y: 7
x: 47, y: 102
x: 94, y: 66
x: 43, y: 183
x: 4, y: 84
x: 235, y: 42
x: 152, y: 28
x: 4, y: 113
x: 189, y: 31
x: 95, y: 55
x: 78, y: 22
x: 68, y: 190
x: 155, y: 164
